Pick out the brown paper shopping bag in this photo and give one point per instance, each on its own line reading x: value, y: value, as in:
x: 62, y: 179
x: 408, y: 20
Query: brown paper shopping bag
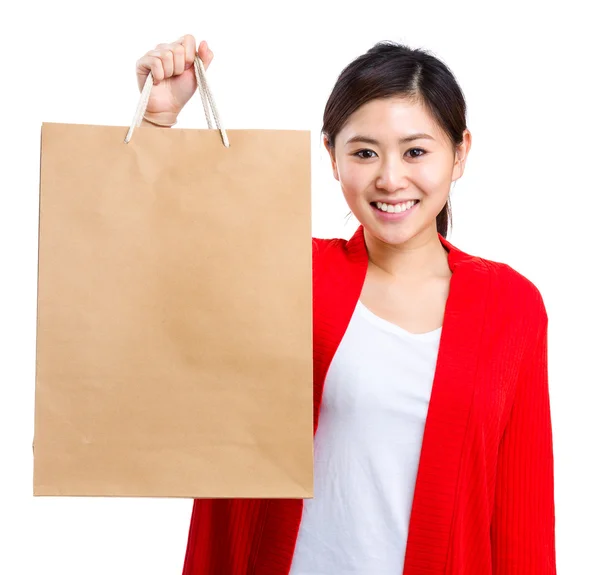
x: 174, y: 334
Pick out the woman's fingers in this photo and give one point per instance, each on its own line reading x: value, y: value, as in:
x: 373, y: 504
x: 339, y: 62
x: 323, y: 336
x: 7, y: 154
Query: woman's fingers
x: 169, y: 60
x: 165, y: 58
x: 173, y: 58
x: 150, y: 63
x: 189, y: 45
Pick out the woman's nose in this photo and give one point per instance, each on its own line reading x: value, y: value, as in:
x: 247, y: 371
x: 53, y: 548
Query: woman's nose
x: 392, y: 176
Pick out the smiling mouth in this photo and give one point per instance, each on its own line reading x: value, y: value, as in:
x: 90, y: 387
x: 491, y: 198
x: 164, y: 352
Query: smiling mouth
x: 394, y: 208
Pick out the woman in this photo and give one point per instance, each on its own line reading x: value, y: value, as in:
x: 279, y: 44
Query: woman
x: 433, y: 438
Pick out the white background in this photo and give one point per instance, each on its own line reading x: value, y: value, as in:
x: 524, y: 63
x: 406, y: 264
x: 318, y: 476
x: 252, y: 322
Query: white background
x: 529, y: 198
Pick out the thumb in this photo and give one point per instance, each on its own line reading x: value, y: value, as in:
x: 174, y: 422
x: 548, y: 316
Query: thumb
x: 205, y: 53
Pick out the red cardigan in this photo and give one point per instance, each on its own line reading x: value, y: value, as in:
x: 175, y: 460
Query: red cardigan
x: 484, y: 493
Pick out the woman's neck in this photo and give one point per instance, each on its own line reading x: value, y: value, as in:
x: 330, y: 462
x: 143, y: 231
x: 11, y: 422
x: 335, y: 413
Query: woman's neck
x: 422, y: 257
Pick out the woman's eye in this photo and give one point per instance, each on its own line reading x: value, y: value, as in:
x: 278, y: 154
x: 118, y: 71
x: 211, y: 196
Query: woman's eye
x: 416, y: 150
x: 368, y: 154
x: 364, y: 154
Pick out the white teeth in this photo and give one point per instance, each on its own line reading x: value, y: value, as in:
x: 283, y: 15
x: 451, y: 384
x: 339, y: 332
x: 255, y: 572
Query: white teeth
x: 397, y: 208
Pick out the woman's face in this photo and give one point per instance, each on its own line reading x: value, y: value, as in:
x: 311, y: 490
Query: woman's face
x: 395, y: 166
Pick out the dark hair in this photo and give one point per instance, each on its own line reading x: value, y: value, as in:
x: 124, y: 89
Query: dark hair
x: 390, y: 69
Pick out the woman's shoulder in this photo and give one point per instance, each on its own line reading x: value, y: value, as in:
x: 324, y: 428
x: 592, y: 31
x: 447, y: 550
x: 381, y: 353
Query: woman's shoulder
x: 321, y: 246
x: 516, y: 289
x: 331, y: 253
x: 511, y: 290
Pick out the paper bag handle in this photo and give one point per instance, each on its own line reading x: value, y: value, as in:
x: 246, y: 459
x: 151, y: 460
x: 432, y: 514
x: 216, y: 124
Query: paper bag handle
x: 208, y: 103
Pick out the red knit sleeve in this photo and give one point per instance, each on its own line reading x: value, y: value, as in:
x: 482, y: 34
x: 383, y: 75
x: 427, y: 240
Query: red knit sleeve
x: 523, y: 522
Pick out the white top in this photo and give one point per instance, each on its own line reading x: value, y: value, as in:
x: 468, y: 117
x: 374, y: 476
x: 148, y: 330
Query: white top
x: 367, y: 450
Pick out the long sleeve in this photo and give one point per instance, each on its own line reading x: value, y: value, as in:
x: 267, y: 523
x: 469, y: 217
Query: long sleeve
x: 523, y: 522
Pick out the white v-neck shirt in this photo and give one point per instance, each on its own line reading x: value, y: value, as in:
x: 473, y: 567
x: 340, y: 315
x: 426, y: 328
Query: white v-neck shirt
x: 367, y: 450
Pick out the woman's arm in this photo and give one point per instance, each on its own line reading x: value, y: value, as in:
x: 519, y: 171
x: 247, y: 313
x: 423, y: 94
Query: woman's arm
x: 522, y: 530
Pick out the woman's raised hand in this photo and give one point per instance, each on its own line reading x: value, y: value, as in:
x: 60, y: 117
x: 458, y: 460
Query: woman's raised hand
x: 172, y: 66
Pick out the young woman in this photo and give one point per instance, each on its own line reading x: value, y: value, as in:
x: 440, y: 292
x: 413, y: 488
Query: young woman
x: 433, y: 438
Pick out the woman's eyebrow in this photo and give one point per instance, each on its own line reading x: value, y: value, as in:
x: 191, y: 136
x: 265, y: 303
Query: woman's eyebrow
x: 368, y: 140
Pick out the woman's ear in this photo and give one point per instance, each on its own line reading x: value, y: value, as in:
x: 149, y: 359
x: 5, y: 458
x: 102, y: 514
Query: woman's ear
x: 460, y: 157
x: 331, y: 151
